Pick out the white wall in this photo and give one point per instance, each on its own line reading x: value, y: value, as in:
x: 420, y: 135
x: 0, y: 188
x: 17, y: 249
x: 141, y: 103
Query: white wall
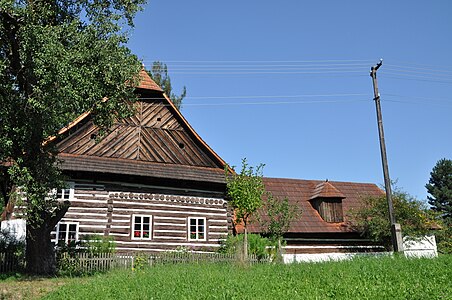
x: 16, y: 227
x: 423, y: 247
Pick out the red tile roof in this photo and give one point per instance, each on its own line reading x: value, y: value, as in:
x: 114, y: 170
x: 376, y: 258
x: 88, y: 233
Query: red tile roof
x: 299, y: 192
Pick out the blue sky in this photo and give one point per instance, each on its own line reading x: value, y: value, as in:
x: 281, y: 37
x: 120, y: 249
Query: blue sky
x: 286, y: 83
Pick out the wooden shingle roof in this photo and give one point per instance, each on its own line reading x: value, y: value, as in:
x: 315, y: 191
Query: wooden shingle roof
x: 147, y: 83
x: 326, y: 190
x: 299, y: 192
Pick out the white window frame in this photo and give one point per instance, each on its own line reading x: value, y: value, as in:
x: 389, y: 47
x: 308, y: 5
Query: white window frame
x: 189, y: 233
x: 66, y: 238
x: 141, y: 237
x: 67, y: 191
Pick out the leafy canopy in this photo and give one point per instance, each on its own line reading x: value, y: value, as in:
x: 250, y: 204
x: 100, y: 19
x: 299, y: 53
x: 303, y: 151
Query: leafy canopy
x: 276, y: 215
x: 245, y: 191
x: 58, y: 59
x: 372, y: 219
x: 439, y: 187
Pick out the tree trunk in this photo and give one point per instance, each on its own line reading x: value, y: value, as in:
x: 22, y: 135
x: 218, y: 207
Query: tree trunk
x: 245, y: 245
x: 40, y: 254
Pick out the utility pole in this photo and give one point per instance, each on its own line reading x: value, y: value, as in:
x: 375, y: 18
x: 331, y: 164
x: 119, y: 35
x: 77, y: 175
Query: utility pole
x: 396, y: 232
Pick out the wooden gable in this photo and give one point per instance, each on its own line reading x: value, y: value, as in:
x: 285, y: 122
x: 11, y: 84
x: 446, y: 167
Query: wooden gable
x: 157, y: 134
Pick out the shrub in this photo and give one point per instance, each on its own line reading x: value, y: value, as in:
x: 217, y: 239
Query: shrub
x: 372, y: 218
x: 257, y: 245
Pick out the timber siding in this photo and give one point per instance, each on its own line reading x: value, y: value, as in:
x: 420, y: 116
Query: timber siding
x: 107, y: 209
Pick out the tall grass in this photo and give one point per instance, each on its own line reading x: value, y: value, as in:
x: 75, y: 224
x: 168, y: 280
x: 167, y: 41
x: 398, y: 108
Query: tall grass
x: 367, y: 278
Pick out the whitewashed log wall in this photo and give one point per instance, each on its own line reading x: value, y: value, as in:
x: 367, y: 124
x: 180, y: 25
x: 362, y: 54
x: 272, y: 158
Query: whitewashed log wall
x: 107, y: 209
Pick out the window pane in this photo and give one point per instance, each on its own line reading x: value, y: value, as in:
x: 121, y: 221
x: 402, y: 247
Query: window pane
x: 192, y: 222
x: 62, y: 236
x: 201, y: 236
x: 72, y: 227
x: 146, y: 220
x: 71, y: 236
x: 137, y: 220
x: 200, y: 221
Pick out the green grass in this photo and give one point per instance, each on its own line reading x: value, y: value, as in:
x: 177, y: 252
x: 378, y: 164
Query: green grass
x: 370, y: 278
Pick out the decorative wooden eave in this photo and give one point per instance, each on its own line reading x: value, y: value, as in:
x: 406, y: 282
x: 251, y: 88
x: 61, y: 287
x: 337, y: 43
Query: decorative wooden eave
x: 326, y: 190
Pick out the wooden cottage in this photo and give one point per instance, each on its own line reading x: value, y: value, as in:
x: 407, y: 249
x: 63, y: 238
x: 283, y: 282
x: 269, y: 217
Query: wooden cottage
x: 151, y: 182
x: 322, y: 228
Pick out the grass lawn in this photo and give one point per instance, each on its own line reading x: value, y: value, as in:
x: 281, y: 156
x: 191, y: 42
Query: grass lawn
x: 370, y: 278
x: 21, y: 287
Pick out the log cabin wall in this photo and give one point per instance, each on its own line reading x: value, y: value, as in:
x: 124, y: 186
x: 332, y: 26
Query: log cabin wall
x: 109, y: 208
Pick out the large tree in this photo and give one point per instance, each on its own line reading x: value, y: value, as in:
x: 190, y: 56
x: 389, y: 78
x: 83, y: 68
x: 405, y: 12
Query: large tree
x: 159, y: 73
x: 440, y: 188
x: 58, y: 58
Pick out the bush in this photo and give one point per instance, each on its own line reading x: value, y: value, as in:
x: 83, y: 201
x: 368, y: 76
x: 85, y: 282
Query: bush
x: 68, y: 261
x: 372, y: 218
x: 259, y: 246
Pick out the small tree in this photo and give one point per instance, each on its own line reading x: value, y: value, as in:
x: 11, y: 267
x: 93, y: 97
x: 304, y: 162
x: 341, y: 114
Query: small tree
x: 372, y: 220
x: 159, y: 73
x: 245, y: 191
x: 440, y: 188
x: 276, y: 216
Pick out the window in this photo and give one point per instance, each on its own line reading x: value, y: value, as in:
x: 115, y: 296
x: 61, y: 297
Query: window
x: 67, y: 232
x: 66, y: 193
x: 330, y: 209
x: 142, y: 227
x: 197, y: 229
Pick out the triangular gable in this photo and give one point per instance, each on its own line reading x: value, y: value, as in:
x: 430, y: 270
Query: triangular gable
x: 326, y: 190
x: 157, y: 133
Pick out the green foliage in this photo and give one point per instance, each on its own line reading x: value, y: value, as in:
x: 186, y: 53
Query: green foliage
x: 370, y: 278
x: 372, y: 218
x: 159, y: 73
x: 276, y: 215
x: 140, y: 261
x: 444, y: 239
x: 58, y: 59
x: 440, y: 188
x: 95, y: 245
x: 258, y: 245
x: 68, y: 261
x: 245, y: 191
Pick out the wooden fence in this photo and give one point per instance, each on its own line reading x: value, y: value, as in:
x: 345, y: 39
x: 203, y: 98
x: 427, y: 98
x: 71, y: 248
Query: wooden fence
x: 10, y: 262
x: 87, y: 263
x: 91, y: 263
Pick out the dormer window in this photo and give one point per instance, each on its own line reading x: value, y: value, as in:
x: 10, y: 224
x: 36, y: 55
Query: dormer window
x: 327, y: 200
x: 330, y: 209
